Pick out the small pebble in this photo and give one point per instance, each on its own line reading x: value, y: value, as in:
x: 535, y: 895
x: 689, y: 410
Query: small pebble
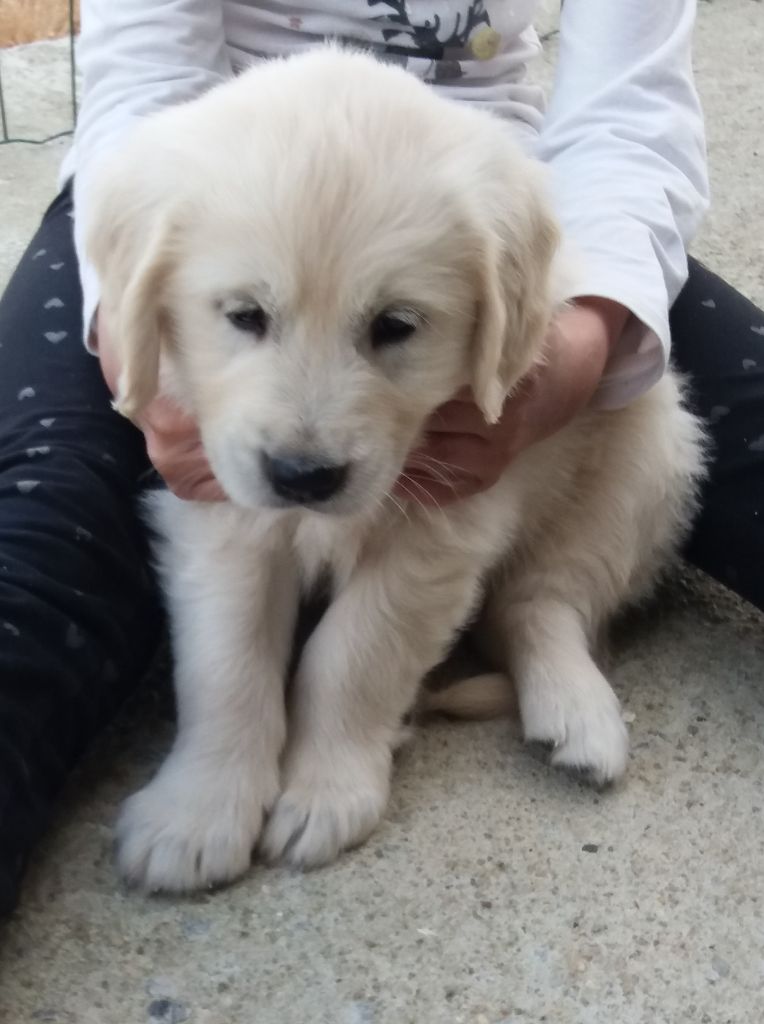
x: 193, y: 926
x: 168, y: 1011
x: 160, y: 986
x: 360, y: 1012
x: 720, y: 965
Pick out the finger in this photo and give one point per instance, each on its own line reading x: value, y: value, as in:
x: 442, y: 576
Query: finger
x: 452, y: 455
x: 192, y: 478
x: 464, y: 394
x: 164, y: 416
x: 206, y: 489
x: 177, y: 460
x: 100, y: 340
x: 458, y: 417
x: 166, y: 450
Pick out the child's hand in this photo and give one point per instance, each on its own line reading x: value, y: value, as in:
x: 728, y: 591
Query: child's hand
x: 173, y: 442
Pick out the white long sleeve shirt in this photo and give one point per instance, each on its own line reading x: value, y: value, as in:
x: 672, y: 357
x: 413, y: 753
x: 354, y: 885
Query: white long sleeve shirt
x: 622, y: 134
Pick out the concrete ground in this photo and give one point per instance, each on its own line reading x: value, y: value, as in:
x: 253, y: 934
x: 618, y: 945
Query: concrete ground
x: 496, y: 891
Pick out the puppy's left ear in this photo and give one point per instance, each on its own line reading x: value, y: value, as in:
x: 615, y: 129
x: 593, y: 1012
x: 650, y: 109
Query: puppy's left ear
x: 515, y: 254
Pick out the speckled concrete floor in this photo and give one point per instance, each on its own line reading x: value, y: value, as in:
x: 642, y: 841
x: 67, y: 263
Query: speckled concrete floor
x: 495, y: 891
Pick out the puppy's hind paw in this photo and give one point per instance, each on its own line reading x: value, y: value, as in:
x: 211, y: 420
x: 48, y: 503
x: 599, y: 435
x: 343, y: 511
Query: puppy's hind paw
x: 586, y: 736
x: 599, y: 750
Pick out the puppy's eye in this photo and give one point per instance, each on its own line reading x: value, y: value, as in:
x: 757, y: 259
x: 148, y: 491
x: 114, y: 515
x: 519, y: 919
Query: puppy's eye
x: 391, y: 328
x: 252, y: 319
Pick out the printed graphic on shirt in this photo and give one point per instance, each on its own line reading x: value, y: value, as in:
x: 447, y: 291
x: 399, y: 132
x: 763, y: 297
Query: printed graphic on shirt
x: 452, y: 33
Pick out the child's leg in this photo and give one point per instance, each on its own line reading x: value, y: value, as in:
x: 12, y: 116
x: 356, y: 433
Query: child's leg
x: 718, y: 338
x: 79, y: 619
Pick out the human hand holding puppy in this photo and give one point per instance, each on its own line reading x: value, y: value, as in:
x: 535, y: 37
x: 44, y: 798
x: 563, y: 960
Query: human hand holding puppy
x: 462, y: 454
x: 173, y: 442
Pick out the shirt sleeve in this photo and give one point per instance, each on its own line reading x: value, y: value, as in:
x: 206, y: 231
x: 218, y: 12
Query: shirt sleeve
x: 624, y: 139
x: 136, y: 57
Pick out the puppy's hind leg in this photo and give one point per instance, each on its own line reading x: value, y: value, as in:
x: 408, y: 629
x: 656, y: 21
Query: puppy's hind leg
x: 564, y: 699
x: 604, y: 543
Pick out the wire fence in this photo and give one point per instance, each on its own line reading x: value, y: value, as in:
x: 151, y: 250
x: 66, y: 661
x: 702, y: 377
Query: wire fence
x: 6, y: 138
x: 5, y: 135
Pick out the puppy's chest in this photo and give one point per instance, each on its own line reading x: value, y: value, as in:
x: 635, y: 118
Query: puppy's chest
x: 327, y: 550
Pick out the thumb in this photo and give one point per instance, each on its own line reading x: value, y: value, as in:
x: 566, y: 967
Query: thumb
x: 103, y: 346
x: 165, y: 417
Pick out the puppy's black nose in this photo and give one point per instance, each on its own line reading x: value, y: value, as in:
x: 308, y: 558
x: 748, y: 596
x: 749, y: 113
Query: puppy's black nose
x: 303, y: 480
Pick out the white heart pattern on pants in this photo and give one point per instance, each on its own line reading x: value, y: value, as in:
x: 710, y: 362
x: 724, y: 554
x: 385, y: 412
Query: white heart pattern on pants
x: 25, y: 486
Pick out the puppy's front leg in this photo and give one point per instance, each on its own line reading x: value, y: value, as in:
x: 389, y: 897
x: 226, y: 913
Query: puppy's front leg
x: 232, y: 612
x: 358, y: 676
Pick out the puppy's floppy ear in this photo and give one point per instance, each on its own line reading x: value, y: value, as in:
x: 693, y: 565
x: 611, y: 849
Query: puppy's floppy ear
x: 131, y: 247
x: 515, y: 253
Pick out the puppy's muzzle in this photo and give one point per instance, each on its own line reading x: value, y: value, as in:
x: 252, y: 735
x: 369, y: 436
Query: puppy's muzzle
x: 303, y: 480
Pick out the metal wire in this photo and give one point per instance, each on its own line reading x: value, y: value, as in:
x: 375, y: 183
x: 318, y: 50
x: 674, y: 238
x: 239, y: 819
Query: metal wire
x: 7, y: 139
x: 72, y: 65
x: 2, y: 109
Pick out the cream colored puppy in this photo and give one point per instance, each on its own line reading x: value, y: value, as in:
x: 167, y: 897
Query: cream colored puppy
x: 314, y: 257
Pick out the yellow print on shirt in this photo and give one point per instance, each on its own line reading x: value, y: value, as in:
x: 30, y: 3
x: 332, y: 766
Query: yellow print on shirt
x: 456, y: 31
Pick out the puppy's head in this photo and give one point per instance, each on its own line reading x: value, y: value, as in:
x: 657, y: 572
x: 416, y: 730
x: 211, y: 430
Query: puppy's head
x: 319, y: 254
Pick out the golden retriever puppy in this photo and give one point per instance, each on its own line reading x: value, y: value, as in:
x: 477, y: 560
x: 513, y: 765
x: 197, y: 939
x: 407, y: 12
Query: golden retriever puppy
x: 312, y: 258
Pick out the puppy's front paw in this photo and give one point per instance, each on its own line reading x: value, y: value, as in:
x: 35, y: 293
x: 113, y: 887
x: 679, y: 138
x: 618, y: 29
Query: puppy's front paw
x: 192, y: 827
x: 583, y: 722
x: 329, y: 803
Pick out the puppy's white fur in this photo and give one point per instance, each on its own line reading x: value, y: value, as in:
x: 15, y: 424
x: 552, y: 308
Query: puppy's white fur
x: 325, y: 189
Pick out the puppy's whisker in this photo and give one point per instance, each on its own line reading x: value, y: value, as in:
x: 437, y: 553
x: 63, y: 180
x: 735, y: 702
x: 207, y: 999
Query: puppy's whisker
x: 425, y: 457
x: 414, y: 497
x: 439, y: 474
x: 436, y: 474
x: 380, y: 502
x: 433, y: 467
x: 401, y: 508
x: 435, y: 462
x: 424, y: 490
